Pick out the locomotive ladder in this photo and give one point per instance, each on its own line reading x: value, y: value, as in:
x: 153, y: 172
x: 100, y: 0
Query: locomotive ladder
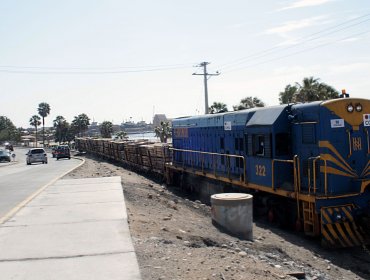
x: 309, y: 224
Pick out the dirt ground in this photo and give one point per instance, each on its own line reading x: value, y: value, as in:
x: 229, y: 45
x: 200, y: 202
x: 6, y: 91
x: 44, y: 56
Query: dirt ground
x: 174, y: 238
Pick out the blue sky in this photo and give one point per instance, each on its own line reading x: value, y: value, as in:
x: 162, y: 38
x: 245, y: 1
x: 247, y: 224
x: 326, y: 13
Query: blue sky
x: 116, y: 60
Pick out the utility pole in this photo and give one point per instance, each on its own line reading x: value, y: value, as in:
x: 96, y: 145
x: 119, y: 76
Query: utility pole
x: 205, y: 75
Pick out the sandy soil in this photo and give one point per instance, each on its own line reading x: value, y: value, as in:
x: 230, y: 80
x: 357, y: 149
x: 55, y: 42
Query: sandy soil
x: 174, y: 239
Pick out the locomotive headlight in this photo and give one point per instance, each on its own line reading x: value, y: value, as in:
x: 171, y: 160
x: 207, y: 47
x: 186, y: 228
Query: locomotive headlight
x: 358, y: 107
x: 339, y: 216
x: 350, y: 108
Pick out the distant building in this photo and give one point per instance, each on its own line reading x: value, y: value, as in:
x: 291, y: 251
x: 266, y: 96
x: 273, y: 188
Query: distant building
x: 158, y: 118
x: 93, y: 129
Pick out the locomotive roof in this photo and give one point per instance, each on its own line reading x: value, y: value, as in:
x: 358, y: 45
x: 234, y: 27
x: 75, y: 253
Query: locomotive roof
x: 238, y: 118
x: 266, y: 115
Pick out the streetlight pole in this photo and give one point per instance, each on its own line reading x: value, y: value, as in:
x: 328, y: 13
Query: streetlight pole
x: 205, y: 75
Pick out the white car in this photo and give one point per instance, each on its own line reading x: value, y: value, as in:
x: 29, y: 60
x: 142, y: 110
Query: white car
x: 36, y: 155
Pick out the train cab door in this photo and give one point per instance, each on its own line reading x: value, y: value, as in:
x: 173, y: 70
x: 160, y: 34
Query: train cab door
x: 305, y: 146
x: 238, y: 162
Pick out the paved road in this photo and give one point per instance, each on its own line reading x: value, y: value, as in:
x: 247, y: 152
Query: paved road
x: 18, y: 181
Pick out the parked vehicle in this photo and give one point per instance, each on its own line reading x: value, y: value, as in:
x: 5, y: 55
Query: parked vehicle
x: 63, y: 151
x: 4, y: 155
x: 36, y: 155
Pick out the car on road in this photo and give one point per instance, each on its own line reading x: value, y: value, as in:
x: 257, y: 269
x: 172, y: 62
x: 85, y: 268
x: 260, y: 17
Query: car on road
x: 54, y: 151
x: 36, y: 155
x: 63, y: 151
x: 9, y: 147
x: 5, y: 155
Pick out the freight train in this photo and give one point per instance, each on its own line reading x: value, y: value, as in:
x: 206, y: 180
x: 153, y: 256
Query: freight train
x: 309, y: 163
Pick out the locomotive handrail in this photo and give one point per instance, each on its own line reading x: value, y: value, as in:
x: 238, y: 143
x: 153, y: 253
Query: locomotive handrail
x: 349, y: 143
x: 326, y: 175
x: 272, y: 168
x: 314, y: 159
x: 314, y: 174
x: 368, y: 142
x: 299, y: 174
x: 296, y: 182
x: 228, y: 156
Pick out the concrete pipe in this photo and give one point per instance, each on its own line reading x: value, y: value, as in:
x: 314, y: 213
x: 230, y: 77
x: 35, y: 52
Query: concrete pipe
x: 234, y: 213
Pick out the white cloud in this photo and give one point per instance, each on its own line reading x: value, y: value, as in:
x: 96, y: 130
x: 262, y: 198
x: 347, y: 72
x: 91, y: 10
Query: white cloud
x: 352, y: 39
x: 294, y: 25
x: 305, y: 3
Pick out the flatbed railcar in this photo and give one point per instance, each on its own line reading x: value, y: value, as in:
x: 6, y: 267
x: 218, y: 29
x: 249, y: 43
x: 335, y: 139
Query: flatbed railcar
x: 315, y: 156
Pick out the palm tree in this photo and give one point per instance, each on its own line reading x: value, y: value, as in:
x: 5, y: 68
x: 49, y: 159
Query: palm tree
x: 308, y: 91
x: 35, y: 122
x: 312, y: 90
x: 106, y: 129
x: 327, y: 92
x: 44, y: 110
x: 218, y: 107
x: 163, y: 131
x: 61, y: 127
x: 81, y: 123
x: 249, y: 102
x: 288, y: 95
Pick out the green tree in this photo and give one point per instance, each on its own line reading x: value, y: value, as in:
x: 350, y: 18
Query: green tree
x: 249, y: 102
x: 35, y: 122
x: 8, y: 131
x: 288, y: 95
x: 327, y: 92
x: 43, y: 110
x: 106, y: 129
x: 311, y: 89
x: 218, y: 107
x: 163, y: 131
x: 121, y: 135
x: 69, y: 133
x: 80, y: 124
x: 61, y: 129
x: 308, y: 90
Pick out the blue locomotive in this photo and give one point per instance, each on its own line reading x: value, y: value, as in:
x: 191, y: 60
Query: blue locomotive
x: 316, y: 156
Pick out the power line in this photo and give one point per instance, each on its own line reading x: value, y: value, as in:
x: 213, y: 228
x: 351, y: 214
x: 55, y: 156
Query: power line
x: 92, y: 68
x: 302, y: 40
x: 89, y: 72
x: 297, y: 52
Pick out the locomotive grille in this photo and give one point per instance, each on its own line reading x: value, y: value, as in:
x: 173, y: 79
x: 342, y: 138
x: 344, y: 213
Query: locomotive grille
x: 338, y: 227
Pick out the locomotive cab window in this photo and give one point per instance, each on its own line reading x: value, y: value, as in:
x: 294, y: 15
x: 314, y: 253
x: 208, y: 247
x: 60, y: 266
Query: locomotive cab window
x: 259, y: 145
